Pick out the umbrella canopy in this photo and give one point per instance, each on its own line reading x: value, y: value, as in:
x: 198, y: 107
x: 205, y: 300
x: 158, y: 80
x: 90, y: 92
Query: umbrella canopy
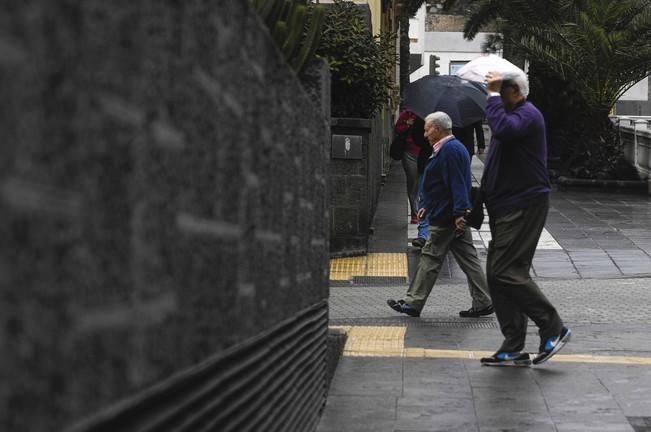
x: 476, y: 69
x: 462, y: 100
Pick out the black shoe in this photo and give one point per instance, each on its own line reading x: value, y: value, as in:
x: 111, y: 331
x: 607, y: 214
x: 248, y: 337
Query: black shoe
x: 476, y: 313
x: 418, y: 242
x: 402, y: 307
x: 518, y: 359
x: 553, y: 345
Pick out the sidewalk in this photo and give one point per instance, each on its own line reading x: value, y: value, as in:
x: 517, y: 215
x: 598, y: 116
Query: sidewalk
x: 423, y: 374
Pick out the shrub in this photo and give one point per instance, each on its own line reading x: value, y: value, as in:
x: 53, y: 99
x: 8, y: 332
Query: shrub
x: 360, y: 64
x: 294, y: 27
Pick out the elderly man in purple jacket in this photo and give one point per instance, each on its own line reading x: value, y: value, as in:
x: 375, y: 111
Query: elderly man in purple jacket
x: 515, y: 188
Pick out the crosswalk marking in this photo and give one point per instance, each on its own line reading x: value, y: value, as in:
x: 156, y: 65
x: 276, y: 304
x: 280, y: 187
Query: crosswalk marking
x: 482, y: 236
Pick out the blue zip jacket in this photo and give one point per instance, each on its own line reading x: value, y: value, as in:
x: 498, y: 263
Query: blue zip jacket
x: 515, y: 175
x: 444, y: 187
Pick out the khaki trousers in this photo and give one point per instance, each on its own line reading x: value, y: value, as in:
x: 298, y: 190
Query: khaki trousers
x: 440, y: 241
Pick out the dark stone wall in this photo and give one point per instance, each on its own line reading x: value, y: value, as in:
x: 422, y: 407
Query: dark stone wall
x: 350, y: 212
x: 163, y: 197
x: 356, y: 184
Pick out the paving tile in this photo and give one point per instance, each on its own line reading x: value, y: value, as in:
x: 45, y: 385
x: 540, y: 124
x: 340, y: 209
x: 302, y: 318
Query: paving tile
x: 629, y: 386
x: 571, y: 244
x: 457, y: 428
x: 492, y: 384
x: 370, y: 376
x: 640, y: 423
x: 554, y: 263
x: 419, y: 382
x: 593, y: 426
x: 436, y: 413
x: 542, y: 427
x: 430, y: 388
x: 593, y: 263
x: 616, y: 243
x: 507, y: 422
x: 631, y: 262
x: 603, y: 239
x: 358, y: 413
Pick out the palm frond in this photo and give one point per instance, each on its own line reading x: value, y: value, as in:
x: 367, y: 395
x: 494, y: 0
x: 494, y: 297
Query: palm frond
x: 487, y: 11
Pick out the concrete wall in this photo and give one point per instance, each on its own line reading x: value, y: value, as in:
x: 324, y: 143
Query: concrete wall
x: 163, y: 198
x: 636, y: 139
x: 636, y: 101
x: 442, y: 35
x: 417, y: 30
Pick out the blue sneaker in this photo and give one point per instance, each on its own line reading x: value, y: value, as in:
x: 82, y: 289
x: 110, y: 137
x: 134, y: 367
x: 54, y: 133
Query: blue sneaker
x: 553, y: 345
x: 501, y: 358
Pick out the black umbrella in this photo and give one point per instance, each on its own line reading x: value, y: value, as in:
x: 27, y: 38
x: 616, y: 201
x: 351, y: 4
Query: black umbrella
x: 464, y: 101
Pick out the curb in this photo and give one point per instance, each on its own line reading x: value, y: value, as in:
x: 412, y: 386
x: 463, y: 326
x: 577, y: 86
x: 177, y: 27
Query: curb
x: 336, y: 342
x: 633, y: 185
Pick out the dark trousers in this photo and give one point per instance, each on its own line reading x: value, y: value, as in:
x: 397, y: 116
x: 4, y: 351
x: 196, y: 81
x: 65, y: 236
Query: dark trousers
x: 515, y: 295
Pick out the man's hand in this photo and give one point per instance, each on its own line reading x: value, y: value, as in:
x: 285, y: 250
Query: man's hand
x: 459, y: 225
x: 494, y: 81
x: 421, y: 213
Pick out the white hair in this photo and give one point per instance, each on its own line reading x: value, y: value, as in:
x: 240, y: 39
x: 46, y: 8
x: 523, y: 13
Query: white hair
x: 520, y: 79
x: 440, y: 119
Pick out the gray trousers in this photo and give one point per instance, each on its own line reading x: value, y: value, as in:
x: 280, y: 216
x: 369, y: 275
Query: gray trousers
x: 440, y: 241
x: 515, y: 295
x: 410, y: 165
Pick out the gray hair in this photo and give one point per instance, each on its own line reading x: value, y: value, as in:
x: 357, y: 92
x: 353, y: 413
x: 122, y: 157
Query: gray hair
x: 520, y: 79
x: 440, y: 119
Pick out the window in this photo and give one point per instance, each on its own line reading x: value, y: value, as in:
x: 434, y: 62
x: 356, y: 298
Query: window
x: 455, y: 66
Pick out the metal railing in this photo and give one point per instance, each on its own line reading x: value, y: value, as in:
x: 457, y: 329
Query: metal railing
x: 636, y: 122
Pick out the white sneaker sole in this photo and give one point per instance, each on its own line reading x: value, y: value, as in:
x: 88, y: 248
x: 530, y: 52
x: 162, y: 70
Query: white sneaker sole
x: 561, y: 343
x: 510, y: 363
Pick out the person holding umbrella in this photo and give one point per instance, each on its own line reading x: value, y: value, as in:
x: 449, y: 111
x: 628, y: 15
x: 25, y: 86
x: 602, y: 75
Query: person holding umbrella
x: 410, y: 128
x: 467, y: 136
x: 515, y: 187
x: 462, y: 100
x: 445, y: 199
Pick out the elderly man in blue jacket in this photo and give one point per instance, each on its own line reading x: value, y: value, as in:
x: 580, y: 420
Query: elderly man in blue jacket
x: 515, y: 187
x: 445, y: 198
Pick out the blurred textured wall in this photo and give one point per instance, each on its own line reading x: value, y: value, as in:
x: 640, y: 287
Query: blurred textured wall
x: 163, y: 197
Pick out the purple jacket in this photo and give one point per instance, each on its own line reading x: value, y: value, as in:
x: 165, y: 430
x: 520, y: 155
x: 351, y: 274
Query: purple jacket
x: 515, y: 175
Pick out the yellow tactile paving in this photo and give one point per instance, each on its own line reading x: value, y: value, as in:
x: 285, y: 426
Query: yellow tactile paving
x: 373, y: 341
x: 387, y: 264
x: 381, y: 341
x: 346, y: 268
x: 373, y: 264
